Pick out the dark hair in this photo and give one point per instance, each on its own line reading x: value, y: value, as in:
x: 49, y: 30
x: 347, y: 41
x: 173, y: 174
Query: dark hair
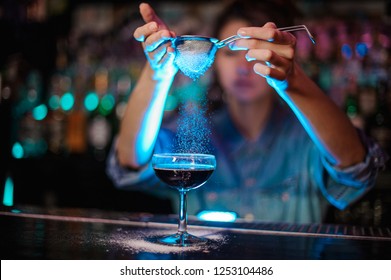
x: 256, y: 13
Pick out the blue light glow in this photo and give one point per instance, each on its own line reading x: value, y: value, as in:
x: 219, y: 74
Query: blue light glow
x: 8, y: 198
x: 217, y: 216
x: 17, y: 150
x: 346, y: 51
x: 40, y: 112
x: 67, y: 101
x: 151, y: 124
x: 361, y: 49
x: 91, y: 101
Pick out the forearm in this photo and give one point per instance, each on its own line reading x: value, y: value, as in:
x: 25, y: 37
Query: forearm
x: 142, y: 119
x: 326, y: 124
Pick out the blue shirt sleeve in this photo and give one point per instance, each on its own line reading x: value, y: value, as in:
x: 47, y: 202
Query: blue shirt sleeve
x: 343, y: 186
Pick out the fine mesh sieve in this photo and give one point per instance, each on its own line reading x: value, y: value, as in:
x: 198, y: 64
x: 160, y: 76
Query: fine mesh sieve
x: 195, y: 54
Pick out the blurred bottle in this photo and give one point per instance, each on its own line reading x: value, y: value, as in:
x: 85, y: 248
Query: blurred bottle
x: 123, y: 88
x: 100, y: 103
x: 367, y: 100
x: 56, y: 117
x: 58, y: 101
x: 76, y: 135
x: 352, y: 108
x: 379, y: 124
x: 31, y: 125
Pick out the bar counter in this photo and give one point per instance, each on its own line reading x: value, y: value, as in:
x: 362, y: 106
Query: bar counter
x: 78, y: 234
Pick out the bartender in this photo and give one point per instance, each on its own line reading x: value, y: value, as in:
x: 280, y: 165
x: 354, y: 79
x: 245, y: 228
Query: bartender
x: 285, y: 151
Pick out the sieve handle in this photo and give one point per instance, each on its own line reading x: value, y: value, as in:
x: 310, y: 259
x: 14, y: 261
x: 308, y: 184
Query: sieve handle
x: 298, y: 28
x: 226, y: 41
x: 233, y: 38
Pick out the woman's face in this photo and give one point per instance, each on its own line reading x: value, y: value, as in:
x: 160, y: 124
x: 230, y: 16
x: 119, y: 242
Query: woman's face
x: 235, y: 73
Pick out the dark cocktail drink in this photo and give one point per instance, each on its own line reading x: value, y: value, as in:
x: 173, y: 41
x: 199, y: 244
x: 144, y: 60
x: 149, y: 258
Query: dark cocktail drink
x: 185, y: 177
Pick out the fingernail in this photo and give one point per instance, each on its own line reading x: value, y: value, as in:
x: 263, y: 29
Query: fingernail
x: 242, y: 33
x: 258, y: 68
x: 153, y: 26
x: 249, y: 58
x: 140, y: 39
x: 233, y: 46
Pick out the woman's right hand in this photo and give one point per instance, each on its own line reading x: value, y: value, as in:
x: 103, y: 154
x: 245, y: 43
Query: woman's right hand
x: 156, y: 40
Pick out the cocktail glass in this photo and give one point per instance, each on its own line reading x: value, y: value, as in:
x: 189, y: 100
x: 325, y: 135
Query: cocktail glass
x: 183, y: 172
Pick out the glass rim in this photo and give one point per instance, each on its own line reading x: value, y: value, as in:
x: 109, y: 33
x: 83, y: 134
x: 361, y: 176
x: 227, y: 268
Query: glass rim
x: 183, y: 155
x: 196, y: 38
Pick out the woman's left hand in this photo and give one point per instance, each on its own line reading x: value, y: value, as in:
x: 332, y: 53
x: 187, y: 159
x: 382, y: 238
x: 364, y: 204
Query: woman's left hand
x: 272, y: 49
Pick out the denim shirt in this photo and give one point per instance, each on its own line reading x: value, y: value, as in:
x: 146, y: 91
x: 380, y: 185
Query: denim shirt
x: 280, y: 177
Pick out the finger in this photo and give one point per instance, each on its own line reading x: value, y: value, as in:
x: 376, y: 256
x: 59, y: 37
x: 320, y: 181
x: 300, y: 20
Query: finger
x: 168, y: 57
x: 144, y: 31
x: 270, y: 57
x: 286, y: 51
x: 156, y: 56
x: 267, y: 33
x: 270, y: 25
x: 269, y: 72
x: 148, y: 14
x: 156, y: 39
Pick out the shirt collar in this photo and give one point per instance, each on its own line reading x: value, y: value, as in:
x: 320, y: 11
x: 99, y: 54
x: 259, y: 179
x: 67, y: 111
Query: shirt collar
x: 233, y: 139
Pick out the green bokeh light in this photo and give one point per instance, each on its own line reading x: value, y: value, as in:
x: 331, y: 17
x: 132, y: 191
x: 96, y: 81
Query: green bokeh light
x: 40, y: 112
x: 106, y: 104
x: 91, y: 101
x: 54, y: 102
x: 17, y: 150
x: 8, y: 197
x: 67, y: 101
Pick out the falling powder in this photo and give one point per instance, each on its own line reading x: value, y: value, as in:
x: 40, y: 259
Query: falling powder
x: 193, y: 133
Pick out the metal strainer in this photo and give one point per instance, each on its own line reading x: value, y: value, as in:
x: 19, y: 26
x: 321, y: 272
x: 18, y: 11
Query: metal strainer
x: 195, y: 54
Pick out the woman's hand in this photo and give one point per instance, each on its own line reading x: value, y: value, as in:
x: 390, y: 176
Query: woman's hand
x: 328, y: 126
x: 156, y: 40
x: 272, y: 49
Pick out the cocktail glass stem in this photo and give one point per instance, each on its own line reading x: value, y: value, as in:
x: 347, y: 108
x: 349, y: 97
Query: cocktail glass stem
x: 182, y: 224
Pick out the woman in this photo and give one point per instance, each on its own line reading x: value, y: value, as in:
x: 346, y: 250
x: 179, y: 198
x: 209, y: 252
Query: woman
x: 284, y: 150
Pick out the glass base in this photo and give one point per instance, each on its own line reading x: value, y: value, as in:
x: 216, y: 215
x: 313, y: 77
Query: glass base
x: 182, y: 239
